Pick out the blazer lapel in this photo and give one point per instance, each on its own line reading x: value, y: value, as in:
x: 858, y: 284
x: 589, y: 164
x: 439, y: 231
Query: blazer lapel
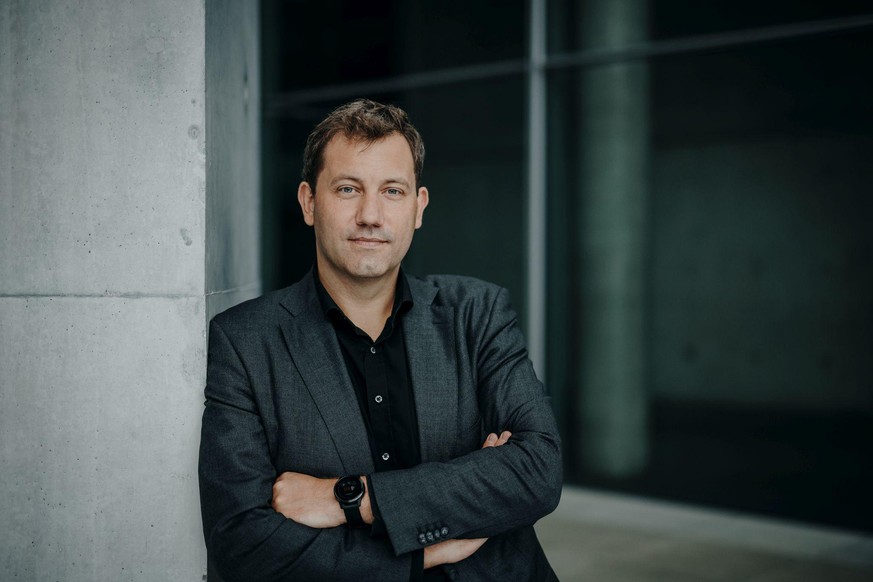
x: 430, y: 350
x: 314, y: 349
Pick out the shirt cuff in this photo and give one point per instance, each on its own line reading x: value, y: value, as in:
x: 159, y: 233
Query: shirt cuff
x: 377, y: 528
x: 416, y: 568
x: 416, y: 573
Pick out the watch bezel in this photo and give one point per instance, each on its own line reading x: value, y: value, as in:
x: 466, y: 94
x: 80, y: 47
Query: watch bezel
x: 353, y: 498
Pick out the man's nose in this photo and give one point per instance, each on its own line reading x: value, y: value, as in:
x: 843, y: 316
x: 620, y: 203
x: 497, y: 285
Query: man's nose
x: 370, y: 209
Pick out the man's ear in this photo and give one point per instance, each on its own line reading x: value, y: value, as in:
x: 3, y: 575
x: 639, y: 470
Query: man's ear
x: 306, y: 198
x: 422, y: 199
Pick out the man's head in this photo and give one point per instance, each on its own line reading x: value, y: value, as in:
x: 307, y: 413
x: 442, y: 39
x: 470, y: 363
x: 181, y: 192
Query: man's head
x: 360, y: 192
x: 365, y: 121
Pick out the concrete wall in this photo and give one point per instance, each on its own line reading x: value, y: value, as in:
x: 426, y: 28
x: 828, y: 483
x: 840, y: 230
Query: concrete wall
x: 770, y: 303
x: 104, y: 282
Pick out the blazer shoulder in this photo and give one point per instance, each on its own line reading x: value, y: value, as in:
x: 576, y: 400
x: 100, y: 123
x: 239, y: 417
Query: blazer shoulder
x: 459, y: 290
x: 252, y: 313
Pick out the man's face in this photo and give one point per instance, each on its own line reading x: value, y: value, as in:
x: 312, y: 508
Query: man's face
x: 365, y: 209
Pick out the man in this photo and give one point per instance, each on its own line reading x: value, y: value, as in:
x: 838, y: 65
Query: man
x: 345, y: 415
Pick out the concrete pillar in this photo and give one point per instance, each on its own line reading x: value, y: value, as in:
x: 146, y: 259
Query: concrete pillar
x: 110, y: 206
x: 233, y: 146
x: 614, y: 151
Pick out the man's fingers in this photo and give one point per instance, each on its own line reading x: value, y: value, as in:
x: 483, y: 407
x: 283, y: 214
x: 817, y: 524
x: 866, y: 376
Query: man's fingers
x: 451, y: 551
x: 492, y: 440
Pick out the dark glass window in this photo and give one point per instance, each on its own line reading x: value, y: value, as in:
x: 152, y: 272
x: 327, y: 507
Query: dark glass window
x: 475, y: 224
x: 709, y: 290
x: 758, y: 302
x: 326, y: 43
x: 576, y: 25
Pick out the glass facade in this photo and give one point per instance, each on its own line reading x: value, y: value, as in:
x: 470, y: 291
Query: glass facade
x: 708, y: 285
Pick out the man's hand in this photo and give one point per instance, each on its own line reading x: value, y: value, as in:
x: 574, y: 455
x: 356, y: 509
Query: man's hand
x: 492, y: 440
x: 310, y: 501
x: 452, y: 551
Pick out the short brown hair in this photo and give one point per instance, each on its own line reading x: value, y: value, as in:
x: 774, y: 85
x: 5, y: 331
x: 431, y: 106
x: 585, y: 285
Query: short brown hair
x: 365, y: 120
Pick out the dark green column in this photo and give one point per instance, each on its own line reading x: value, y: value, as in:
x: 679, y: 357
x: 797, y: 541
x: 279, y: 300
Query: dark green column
x: 612, y: 244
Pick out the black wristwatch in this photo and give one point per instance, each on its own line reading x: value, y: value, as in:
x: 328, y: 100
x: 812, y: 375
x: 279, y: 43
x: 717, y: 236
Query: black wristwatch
x: 349, y: 491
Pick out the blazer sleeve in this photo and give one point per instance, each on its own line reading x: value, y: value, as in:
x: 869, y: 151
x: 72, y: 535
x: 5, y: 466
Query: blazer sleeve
x: 485, y: 492
x: 245, y: 538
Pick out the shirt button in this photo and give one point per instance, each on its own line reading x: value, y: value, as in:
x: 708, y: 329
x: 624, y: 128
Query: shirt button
x: 378, y: 398
x: 372, y: 349
x: 385, y: 456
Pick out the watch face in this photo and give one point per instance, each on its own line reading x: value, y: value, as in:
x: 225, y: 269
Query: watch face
x: 349, y: 488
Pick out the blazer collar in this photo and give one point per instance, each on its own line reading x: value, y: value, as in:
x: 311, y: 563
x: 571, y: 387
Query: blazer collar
x: 431, y: 353
x: 316, y: 354
x: 432, y: 360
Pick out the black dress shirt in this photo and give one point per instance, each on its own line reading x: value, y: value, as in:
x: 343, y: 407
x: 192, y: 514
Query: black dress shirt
x: 379, y: 373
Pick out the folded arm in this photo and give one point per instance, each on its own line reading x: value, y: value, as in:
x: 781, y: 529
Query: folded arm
x: 485, y: 492
x: 309, y: 501
x: 246, y: 538
x: 478, y: 495
x: 493, y: 490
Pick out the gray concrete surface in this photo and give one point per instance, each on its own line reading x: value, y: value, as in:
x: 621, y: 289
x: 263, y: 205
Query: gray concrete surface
x: 104, y: 281
x: 98, y: 427
x: 600, y: 536
x: 103, y: 172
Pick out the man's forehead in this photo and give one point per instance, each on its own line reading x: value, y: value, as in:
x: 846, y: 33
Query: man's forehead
x: 341, y: 145
x: 362, y: 142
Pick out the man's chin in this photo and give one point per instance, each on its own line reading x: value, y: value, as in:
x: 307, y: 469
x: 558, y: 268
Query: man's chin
x: 370, y: 271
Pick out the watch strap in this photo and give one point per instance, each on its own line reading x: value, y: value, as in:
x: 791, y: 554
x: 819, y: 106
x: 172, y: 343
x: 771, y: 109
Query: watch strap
x: 349, y: 501
x: 353, y: 516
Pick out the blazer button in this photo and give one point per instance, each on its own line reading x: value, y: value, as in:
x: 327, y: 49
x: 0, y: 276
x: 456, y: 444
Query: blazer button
x: 437, y: 534
x: 444, y: 531
x: 421, y: 539
x: 430, y: 536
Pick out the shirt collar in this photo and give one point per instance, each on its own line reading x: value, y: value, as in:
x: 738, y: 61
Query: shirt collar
x: 402, y: 298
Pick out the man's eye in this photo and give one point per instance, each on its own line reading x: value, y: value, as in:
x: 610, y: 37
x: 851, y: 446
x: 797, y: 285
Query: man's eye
x: 394, y: 192
x: 347, y: 190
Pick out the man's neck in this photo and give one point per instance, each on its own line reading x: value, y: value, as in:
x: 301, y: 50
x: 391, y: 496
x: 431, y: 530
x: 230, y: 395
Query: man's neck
x: 366, y: 302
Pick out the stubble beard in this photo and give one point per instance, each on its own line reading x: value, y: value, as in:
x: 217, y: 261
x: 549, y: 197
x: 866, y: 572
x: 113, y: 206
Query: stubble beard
x: 356, y: 267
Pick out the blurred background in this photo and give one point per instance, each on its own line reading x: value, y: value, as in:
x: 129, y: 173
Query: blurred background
x: 677, y: 195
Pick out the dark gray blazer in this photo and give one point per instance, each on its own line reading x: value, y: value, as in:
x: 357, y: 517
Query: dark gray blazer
x: 278, y: 398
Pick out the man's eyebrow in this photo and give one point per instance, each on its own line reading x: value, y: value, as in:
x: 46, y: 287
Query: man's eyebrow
x: 345, y: 177
x: 350, y: 178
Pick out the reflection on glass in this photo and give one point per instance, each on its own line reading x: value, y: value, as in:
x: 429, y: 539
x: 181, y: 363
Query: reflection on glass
x: 325, y: 43
x: 570, y: 20
x: 758, y: 310
x: 475, y: 223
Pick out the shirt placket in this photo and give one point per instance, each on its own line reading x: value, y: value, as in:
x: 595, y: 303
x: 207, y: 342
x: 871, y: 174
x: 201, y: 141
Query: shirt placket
x: 379, y: 405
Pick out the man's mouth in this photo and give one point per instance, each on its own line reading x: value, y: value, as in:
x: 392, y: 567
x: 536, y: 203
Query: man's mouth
x: 368, y: 241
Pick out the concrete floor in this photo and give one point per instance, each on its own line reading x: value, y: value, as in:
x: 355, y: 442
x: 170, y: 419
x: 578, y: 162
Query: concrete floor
x: 613, y: 538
